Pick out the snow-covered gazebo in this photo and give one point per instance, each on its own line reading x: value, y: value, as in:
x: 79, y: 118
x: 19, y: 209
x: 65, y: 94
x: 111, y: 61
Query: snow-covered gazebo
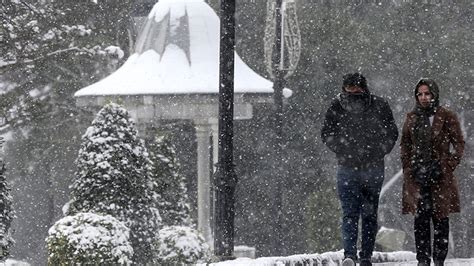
x: 173, y: 74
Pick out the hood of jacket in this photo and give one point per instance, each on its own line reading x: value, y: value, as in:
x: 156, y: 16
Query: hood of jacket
x: 434, y: 90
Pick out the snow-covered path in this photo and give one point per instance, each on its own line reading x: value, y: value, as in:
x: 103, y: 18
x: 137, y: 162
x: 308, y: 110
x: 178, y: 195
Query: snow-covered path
x: 249, y: 262
x: 449, y: 262
x: 399, y: 258
x: 292, y: 261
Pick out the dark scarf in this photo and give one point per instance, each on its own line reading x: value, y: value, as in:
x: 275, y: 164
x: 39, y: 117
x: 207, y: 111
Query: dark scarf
x: 426, y: 170
x: 422, y: 133
x: 355, y: 102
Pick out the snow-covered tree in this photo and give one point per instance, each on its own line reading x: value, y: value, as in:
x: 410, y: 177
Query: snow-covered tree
x: 89, y: 239
x: 6, y: 214
x: 174, y: 207
x: 114, y: 177
x: 180, y: 245
x: 49, y: 50
x: 46, y: 53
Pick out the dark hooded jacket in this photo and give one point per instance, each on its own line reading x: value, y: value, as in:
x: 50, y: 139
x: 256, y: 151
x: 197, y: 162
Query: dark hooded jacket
x: 445, y: 131
x: 360, y: 137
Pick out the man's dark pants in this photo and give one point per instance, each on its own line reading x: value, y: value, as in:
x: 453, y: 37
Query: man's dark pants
x: 359, y: 191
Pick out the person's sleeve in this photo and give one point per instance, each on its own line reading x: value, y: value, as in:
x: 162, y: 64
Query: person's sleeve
x: 389, y: 130
x: 330, y: 133
x: 406, y: 146
x: 457, y: 140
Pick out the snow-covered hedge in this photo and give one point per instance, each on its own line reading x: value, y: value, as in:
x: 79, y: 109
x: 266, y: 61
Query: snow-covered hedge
x: 114, y: 177
x: 181, y: 244
x: 88, y: 238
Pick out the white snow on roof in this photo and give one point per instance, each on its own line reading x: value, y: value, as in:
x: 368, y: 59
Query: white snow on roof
x: 177, y: 53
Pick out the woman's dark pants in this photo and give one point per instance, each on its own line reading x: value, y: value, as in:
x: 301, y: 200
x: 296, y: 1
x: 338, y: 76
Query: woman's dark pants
x: 423, y: 217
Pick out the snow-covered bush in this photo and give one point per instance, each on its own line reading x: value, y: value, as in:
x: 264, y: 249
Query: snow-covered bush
x: 114, y: 177
x: 174, y: 207
x: 6, y: 214
x: 88, y: 238
x: 11, y: 262
x: 181, y: 244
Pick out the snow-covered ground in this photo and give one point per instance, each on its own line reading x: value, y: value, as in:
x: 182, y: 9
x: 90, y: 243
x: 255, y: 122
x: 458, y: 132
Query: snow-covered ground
x: 404, y: 258
x: 11, y: 262
x: 269, y: 261
x: 399, y: 258
x: 449, y: 262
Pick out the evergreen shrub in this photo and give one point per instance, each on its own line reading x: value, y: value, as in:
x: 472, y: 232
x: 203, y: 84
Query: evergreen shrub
x: 181, y: 245
x: 88, y: 238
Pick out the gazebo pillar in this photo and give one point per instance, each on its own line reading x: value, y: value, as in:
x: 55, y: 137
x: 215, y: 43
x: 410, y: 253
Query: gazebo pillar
x: 203, y: 132
x: 215, y: 142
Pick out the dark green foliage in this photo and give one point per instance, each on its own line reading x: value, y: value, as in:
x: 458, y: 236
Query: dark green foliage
x: 114, y: 177
x: 174, y: 207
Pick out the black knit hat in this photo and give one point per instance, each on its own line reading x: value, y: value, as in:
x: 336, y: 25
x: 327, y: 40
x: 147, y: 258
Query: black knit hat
x: 432, y: 86
x: 355, y: 79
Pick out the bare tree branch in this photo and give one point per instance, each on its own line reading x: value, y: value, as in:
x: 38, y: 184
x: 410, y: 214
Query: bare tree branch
x: 55, y: 53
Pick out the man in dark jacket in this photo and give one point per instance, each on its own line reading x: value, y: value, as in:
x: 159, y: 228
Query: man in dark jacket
x: 359, y: 127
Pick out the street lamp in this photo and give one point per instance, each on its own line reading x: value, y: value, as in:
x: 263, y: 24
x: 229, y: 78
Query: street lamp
x: 225, y: 176
x: 282, y: 53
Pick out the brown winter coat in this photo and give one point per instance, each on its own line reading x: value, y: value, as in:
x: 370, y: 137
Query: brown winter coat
x: 445, y: 130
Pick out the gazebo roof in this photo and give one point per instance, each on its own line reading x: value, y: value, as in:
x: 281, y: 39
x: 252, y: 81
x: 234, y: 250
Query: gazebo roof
x: 176, y: 53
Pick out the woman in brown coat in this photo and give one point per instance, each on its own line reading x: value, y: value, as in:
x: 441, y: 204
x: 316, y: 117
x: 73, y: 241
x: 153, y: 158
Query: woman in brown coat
x: 430, y: 190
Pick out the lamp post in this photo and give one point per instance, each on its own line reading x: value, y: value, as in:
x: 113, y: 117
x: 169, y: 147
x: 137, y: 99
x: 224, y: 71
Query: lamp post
x: 278, y: 85
x: 282, y: 52
x: 225, y: 177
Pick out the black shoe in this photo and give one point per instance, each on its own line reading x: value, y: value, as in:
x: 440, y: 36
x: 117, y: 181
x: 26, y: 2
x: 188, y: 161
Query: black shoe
x: 348, y: 262
x: 365, y: 262
x: 438, y: 263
